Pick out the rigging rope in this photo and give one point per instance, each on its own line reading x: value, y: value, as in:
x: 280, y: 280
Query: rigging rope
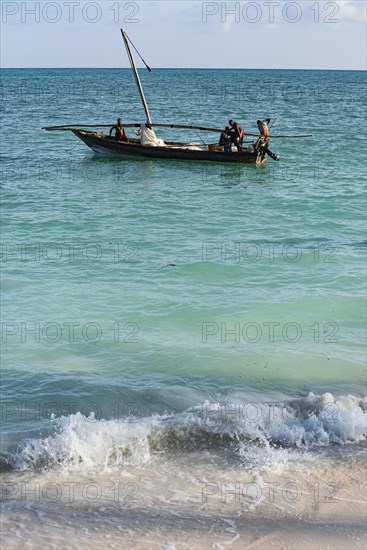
x: 131, y: 42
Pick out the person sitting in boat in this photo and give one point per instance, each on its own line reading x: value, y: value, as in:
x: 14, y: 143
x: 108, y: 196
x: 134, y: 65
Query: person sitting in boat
x: 225, y: 137
x: 119, y: 131
x: 237, y: 134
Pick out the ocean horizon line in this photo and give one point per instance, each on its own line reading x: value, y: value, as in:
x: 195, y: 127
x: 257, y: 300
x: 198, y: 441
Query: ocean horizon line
x: 176, y: 69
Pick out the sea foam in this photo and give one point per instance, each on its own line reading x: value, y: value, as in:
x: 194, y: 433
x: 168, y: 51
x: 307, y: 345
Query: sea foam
x: 76, y: 441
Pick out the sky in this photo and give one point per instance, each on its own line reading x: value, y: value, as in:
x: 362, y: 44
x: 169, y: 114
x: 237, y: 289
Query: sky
x: 274, y: 34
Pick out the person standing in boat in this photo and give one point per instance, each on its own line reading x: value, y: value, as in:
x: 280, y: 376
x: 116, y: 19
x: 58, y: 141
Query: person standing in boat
x: 264, y: 139
x: 119, y: 131
x: 237, y: 134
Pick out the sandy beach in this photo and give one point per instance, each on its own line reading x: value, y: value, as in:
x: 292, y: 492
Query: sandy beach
x: 306, y: 506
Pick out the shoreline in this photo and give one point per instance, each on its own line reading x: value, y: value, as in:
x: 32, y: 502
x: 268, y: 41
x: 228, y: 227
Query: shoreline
x: 318, y: 502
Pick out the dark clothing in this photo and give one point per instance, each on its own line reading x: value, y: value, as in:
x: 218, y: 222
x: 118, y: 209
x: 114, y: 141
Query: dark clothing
x: 237, y: 135
x: 225, y: 138
x: 264, y: 139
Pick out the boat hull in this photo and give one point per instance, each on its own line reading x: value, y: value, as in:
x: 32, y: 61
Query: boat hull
x: 103, y: 145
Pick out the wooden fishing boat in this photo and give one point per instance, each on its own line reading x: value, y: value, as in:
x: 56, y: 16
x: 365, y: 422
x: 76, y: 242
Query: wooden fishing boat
x: 102, y: 144
x: 157, y: 148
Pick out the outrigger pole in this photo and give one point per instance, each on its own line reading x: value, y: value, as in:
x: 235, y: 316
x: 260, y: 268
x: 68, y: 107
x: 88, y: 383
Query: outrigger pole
x: 136, y: 74
x: 68, y: 127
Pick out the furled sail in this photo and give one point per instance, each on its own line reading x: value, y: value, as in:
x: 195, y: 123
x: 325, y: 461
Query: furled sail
x: 148, y: 137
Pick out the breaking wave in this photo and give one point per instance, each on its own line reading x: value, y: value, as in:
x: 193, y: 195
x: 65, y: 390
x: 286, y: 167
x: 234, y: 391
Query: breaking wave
x: 77, y: 441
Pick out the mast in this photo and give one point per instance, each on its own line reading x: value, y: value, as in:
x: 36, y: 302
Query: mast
x: 133, y: 66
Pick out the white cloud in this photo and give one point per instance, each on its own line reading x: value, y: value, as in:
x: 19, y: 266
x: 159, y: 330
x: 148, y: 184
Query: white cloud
x: 352, y: 10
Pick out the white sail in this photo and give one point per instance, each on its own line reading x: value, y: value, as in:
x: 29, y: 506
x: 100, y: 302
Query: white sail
x: 148, y: 137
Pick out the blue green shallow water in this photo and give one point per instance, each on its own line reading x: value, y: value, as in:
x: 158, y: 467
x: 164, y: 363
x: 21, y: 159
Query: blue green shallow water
x: 141, y: 288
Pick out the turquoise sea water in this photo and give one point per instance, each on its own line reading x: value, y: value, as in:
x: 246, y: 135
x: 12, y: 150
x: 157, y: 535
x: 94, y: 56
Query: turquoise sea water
x: 152, y: 306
